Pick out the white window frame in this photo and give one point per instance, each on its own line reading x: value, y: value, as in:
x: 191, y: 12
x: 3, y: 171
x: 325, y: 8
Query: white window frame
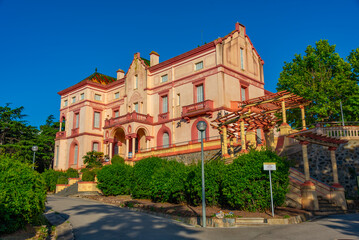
x: 165, y: 104
x: 73, y: 99
x: 93, y: 146
x: 82, y: 96
x: 96, y: 120
x: 117, y: 95
x: 200, y: 89
x: 199, y: 66
x: 164, y: 78
x: 65, y: 103
x: 97, y: 97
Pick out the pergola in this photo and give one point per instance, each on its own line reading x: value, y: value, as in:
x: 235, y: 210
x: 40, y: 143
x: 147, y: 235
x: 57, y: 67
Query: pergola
x: 257, y: 113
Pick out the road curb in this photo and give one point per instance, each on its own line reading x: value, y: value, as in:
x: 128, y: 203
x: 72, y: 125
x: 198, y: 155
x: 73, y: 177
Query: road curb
x: 63, y: 227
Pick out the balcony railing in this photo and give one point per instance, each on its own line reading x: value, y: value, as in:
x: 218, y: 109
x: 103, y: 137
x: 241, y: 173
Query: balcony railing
x: 61, y: 134
x: 201, y: 108
x: 163, y: 117
x: 129, y: 117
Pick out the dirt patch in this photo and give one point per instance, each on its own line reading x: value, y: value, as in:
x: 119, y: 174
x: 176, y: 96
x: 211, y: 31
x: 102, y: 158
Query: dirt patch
x: 184, y: 210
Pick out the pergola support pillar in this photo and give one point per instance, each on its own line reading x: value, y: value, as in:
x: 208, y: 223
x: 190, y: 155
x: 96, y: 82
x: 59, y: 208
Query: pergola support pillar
x: 284, y: 127
x: 309, y: 195
x: 243, y: 138
x: 251, y: 137
x: 225, y: 142
x: 338, y: 194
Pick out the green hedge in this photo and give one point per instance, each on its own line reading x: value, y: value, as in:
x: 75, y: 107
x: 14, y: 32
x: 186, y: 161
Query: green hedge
x: 117, y: 160
x: 72, y: 173
x: 142, y: 176
x: 22, y: 194
x: 115, y: 179
x: 88, y: 176
x: 50, y: 176
x: 63, y: 179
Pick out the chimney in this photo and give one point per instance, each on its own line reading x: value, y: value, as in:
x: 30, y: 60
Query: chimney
x: 120, y: 74
x: 154, y: 58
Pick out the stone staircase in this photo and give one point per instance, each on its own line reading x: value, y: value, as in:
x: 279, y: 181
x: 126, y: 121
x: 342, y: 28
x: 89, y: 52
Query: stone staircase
x: 71, y: 190
x: 326, y: 207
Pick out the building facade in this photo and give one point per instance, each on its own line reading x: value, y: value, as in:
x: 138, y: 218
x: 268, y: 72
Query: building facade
x: 153, y: 109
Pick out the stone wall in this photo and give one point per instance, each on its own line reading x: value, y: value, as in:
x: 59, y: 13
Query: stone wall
x: 321, y: 168
x: 190, y: 158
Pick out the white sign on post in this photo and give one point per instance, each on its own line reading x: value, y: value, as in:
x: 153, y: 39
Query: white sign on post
x: 270, y: 166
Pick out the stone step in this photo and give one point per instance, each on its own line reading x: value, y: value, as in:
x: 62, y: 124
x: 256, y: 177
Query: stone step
x: 242, y: 221
x: 330, y: 209
x: 324, y: 213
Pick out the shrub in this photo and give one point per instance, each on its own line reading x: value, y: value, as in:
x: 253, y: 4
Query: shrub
x: 214, y: 171
x: 117, y: 160
x: 84, y: 170
x: 142, y: 175
x: 72, y: 173
x: 50, y: 176
x: 246, y: 184
x: 88, y: 176
x: 93, y: 159
x: 168, y: 182
x: 115, y: 179
x: 22, y: 195
x: 62, y: 180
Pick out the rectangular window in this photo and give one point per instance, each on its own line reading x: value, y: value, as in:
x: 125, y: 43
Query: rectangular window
x: 242, y: 63
x: 135, y: 107
x: 135, y: 82
x: 199, y: 65
x: 95, y: 147
x: 97, y: 97
x: 243, y: 93
x: 164, y: 104
x: 77, y: 118
x: 96, y: 122
x: 164, y: 78
x: 178, y: 99
x: 57, y: 156
x: 73, y: 99
x: 65, y: 103
x: 117, y: 114
x: 200, y: 97
x: 117, y: 95
x: 82, y: 96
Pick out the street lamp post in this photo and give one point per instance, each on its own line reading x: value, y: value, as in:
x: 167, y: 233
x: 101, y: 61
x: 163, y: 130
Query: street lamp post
x: 201, y: 126
x: 34, y: 149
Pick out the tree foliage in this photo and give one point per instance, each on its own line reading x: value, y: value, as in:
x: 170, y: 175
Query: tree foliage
x: 93, y: 159
x: 323, y: 77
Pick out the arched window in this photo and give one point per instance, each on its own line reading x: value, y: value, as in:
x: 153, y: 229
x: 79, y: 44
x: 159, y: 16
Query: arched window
x: 76, y: 151
x: 166, y: 140
x: 199, y: 135
x: 196, y: 134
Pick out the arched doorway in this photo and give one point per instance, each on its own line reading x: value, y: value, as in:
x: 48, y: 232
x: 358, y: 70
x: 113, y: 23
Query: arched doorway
x: 141, y: 140
x: 119, y: 145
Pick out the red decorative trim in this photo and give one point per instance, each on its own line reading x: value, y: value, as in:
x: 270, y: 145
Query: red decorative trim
x: 303, y: 142
x: 308, y: 183
x: 332, y: 148
x: 337, y: 185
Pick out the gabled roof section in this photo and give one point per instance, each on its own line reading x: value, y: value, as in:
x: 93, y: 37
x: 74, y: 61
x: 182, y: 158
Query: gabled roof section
x: 146, y: 61
x: 100, y: 78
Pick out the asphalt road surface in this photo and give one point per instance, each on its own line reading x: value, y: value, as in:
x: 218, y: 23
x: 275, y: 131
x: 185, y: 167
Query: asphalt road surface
x: 94, y: 220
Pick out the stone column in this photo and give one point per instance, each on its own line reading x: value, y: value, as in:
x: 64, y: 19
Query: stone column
x: 127, y: 146
x: 133, y: 146
x: 303, y: 117
x: 231, y: 148
x: 60, y: 126
x: 225, y: 142
x: 284, y: 127
x: 251, y: 137
x: 309, y: 195
x: 243, y: 138
x: 110, y: 150
x: 338, y: 194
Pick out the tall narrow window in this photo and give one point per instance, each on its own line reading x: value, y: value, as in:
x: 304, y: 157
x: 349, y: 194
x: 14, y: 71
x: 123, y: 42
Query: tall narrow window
x: 57, y: 156
x: 73, y: 99
x: 82, y: 96
x: 117, y: 114
x: 136, y: 82
x: 178, y: 99
x: 199, y: 65
x: 164, y: 78
x: 164, y: 104
x: 95, y: 147
x: 96, y: 122
x: 166, y: 140
x: 65, y: 103
x: 76, y: 151
x: 135, y: 107
x: 243, y: 93
x: 200, y: 93
x: 117, y: 95
x: 242, y: 63
x: 77, y: 118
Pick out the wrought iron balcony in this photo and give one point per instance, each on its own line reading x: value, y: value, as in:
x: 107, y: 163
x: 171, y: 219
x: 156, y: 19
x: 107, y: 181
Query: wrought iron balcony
x: 196, y: 109
x: 129, y: 117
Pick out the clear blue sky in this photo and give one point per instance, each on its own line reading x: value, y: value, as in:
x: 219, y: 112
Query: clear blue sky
x: 47, y: 46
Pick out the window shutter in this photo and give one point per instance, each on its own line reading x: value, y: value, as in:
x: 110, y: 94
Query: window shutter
x: 76, y: 153
x: 200, y: 93
x: 165, y: 138
x: 97, y: 120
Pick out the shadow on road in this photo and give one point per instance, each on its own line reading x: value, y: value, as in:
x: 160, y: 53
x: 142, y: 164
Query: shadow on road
x: 109, y: 222
x: 346, y: 224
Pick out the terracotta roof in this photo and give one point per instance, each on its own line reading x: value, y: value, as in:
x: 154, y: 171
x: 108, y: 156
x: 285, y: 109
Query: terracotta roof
x: 100, y: 78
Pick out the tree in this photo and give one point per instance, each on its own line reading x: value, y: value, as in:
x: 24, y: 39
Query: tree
x: 353, y: 59
x: 93, y: 159
x: 326, y: 79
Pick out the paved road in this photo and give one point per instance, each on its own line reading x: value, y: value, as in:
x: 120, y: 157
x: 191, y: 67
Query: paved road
x: 93, y: 220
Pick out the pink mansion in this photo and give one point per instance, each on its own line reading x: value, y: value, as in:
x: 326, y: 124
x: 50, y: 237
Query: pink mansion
x: 153, y: 109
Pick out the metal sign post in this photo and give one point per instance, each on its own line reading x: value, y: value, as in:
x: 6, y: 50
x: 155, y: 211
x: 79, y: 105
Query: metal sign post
x: 269, y: 167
